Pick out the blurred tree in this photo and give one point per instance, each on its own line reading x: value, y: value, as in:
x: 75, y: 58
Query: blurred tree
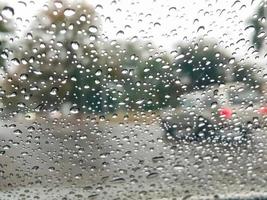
x: 258, y: 22
x: 147, y: 79
x: 57, y: 60
x: 137, y: 69
x: 61, y: 60
x: 247, y: 74
x: 203, y: 63
x: 200, y: 64
x: 6, y: 30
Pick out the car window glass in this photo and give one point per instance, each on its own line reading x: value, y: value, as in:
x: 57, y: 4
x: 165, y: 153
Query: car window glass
x: 133, y: 100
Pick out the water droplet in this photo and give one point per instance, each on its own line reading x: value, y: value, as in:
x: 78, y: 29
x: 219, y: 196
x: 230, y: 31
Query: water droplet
x: 74, y: 110
x: 157, y: 24
x: 31, y: 129
x: 23, y: 77
x: 35, y: 168
x: 83, y: 18
x: 15, y: 61
x: 4, y: 55
x: 69, y: 12
x: 178, y: 167
x: 120, y: 33
x: 93, y: 29
x: 54, y: 91
x: 98, y: 7
x: 8, y: 12
x: 75, y: 45
x: 78, y: 176
x: 231, y: 61
x: 166, y: 67
x: 58, y: 4
x: 17, y: 132
x: 152, y: 175
x: 139, y: 102
x: 261, y: 34
x: 97, y: 82
x: 201, y: 28
x: 214, y: 104
x: 22, y: 3
x: 172, y: 9
x: 98, y: 72
x: 157, y: 159
x: 21, y: 105
x: 250, y: 28
x: 118, y: 180
x: 29, y: 36
x: 51, y: 169
x: 6, y: 147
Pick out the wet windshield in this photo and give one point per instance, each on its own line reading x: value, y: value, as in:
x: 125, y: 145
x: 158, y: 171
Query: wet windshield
x: 118, y: 100
x: 245, y: 96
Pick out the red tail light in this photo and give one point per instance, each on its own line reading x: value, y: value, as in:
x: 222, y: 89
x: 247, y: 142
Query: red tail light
x: 226, y: 113
x: 263, y: 110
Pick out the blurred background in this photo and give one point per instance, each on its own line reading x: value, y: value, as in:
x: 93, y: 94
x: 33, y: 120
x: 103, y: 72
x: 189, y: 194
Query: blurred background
x: 63, y: 55
x: 82, y: 85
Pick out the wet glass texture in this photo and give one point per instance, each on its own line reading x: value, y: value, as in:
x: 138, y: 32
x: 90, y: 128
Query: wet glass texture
x: 113, y: 99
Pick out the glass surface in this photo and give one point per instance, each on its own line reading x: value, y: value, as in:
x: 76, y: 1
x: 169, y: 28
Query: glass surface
x: 247, y: 96
x: 113, y: 99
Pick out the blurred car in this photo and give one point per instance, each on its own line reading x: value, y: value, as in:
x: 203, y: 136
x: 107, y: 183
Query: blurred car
x: 228, y: 112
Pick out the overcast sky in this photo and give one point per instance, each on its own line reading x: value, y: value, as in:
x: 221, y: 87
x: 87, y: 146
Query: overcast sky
x: 165, y: 22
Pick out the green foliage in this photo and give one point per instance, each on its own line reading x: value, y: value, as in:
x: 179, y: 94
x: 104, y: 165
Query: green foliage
x: 62, y: 59
x: 201, y: 64
x: 139, y: 69
x: 247, y: 74
x: 259, y: 27
x: 60, y: 53
x: 204, y: 63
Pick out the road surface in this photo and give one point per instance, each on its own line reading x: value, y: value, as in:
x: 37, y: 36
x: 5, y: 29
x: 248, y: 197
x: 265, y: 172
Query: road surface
x: 122, y: 161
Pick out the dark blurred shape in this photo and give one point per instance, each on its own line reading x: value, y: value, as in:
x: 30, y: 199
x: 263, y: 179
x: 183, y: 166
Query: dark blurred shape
x: 204, y: 63
x: 258, y: 24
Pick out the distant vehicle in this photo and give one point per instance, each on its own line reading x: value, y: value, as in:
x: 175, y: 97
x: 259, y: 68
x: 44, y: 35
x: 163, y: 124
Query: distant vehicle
x: 227, y: 112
